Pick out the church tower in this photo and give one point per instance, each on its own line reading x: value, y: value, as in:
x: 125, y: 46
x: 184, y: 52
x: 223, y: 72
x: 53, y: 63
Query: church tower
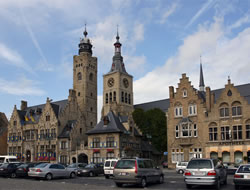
x: 117, y: 85
x: 85, y: 81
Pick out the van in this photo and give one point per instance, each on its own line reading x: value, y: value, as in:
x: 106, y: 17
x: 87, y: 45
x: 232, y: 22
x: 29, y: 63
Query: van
x: 139, y: 171
x: 180, y: 167
x: 109, y: 167
x: 8, y: 159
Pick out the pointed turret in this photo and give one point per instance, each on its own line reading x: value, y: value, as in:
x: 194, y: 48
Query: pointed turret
x: 118, y: 64
x: 202, y: 84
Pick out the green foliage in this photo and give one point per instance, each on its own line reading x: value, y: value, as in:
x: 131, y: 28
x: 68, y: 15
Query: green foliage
x: 152, y: 123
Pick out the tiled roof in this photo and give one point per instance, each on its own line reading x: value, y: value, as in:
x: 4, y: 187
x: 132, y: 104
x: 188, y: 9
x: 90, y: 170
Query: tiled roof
x: 67, y: 129
x: 244, y: 91
x: 114, y: 125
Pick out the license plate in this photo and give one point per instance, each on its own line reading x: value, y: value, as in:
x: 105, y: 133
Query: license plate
x: 123, y: 173
x: 79, y: 172
x: 247, y: 176
x: 108, y: 172
x: 199, y: 173
x: 20, y: 169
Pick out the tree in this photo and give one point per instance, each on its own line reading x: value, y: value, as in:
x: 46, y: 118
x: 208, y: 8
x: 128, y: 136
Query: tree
x: 153, y: 123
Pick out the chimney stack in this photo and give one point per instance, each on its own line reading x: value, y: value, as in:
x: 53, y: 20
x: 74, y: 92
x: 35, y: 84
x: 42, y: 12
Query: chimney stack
x: 24, y: 105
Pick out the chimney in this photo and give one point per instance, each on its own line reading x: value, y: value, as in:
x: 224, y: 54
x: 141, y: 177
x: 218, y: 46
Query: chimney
x: 212, y: 99
x: 208, y: 99
x: 171, y: 92
x: 24, y: 105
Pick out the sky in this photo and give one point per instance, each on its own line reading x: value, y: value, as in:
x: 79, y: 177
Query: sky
x: 161, y: 39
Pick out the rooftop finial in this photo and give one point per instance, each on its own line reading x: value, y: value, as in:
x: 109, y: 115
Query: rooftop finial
x: 202, y: 84
x: 117, y: 35
x: 85, y: 33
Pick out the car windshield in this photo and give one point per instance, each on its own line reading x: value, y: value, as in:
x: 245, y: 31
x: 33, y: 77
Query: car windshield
x: 107, y: 164
x: 244, y: 169
x: 12, y: 160
x: 23, y: 166
x: 113, y: 163
x: 125, y: 164
x: 90, y: 166
x: 72, y: 166
x: 43, y: 165
x: 5, y: 165
x: 199, y: 164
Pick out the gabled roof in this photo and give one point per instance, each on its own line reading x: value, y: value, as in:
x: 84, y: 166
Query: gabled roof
x: 34, y: 118
x: 164, y: 104
x: 67, y: 129
x: 114, y: 125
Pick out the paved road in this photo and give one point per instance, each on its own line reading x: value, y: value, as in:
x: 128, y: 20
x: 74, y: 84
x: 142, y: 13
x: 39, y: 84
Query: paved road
x: 173, y: 181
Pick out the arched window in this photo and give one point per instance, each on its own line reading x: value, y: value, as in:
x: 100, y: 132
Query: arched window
x: 192, y: 109
x: 91, y: 76
x: 224, y: 110
x: 236, y: 109
x: 110, y: 97
x: 126, y: 98
x: 213, y: 132
x: 178, y: 110
x: 122, y: 96
x: 129, y: 100
x: 79, y: 76
x: 107, y: 98
x: 184, y: 92
x: 114, y: 96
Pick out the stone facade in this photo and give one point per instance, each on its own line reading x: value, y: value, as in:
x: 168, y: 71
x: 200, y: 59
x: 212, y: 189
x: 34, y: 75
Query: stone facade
x: 208, y: 123
x: 52, y: 131
x: 3, y: 134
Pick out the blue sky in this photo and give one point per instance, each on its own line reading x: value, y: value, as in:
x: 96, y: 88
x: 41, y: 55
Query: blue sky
x: 161, y: 39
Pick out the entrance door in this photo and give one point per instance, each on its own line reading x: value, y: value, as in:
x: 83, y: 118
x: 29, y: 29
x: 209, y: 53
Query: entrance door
x: 28, y: 156
x: 82, y: 158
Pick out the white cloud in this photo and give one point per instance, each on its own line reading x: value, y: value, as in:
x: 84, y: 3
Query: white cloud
x: 240, y: 22
x: 168, y: 12
x: 11, y: 57
x: 139, y: 32
x: 21, y: 87
x: 221, y: 56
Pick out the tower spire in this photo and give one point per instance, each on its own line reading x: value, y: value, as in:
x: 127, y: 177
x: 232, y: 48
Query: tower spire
x: 201, y: 85
x: 85, y: 44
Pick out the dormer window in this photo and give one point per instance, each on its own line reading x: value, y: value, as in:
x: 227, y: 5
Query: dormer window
x: 184, y: 93
x: 106, y: 120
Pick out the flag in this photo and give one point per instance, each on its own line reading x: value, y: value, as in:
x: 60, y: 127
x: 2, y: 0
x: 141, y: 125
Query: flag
x: 26, y: 118
x: 32, y: 118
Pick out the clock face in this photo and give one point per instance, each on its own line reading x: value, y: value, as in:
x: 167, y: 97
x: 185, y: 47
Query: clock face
x: 125, y: 82
x: 111, y: 82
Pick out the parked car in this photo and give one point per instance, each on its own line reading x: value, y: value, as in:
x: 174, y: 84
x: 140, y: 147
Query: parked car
x: 137, y: 171
x: 9, y: 169
x: 8, y: 159
x: 203, y: 171
x: 242, y: 176
x: 109, y: 167
x: 231, y: 167
x: 50, y: 171
x: 23, y: 169
x: 77, y: 166
x: 91, y: 170
x: 164, y: 164
x: 180, y: 167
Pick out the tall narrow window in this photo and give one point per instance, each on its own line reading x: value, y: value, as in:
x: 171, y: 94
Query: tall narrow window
x: 126, y: 98
x: 225, y: 133
x: 213, y: 134
x: 114, y: 96
x: 237, y: 132
x: 248, y: 131
x: 129, y: 100
x: 79, y: 76
x: 178, y: 111
x: 192, y: 109
x: 91, y: 76
x: 236, y: 111
x: 110, y: 97
x: 177, y: 131
x: 107, y: 98
x: 122, y: 96
x: 195, y: 130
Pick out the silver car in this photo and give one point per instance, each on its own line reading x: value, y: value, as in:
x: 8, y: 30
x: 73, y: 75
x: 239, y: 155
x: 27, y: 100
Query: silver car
x: 242, y: 176
x: 205, y: 172
x: 50, y: 171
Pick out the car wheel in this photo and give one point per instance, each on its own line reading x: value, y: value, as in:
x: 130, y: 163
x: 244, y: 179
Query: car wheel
x: 236, y: 187
x: 161, y: 180
x: 180, y: 171
x: 91, y: 174
x: 118, y: 184
x: 72, y: 175
x: 48, y: 176
x: 143, y: 182
x: 217, y: 186
x: 13, y: 175
x: 188, y: 186
x: 107, y: 176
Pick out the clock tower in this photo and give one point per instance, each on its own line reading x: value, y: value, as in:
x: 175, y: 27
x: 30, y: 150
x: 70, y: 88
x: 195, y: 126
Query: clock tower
x: 117, y: 86
x: 85, y: 81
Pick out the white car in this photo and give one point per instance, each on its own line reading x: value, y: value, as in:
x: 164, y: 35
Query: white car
x: 109, y: 167
x: 181, y: 167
